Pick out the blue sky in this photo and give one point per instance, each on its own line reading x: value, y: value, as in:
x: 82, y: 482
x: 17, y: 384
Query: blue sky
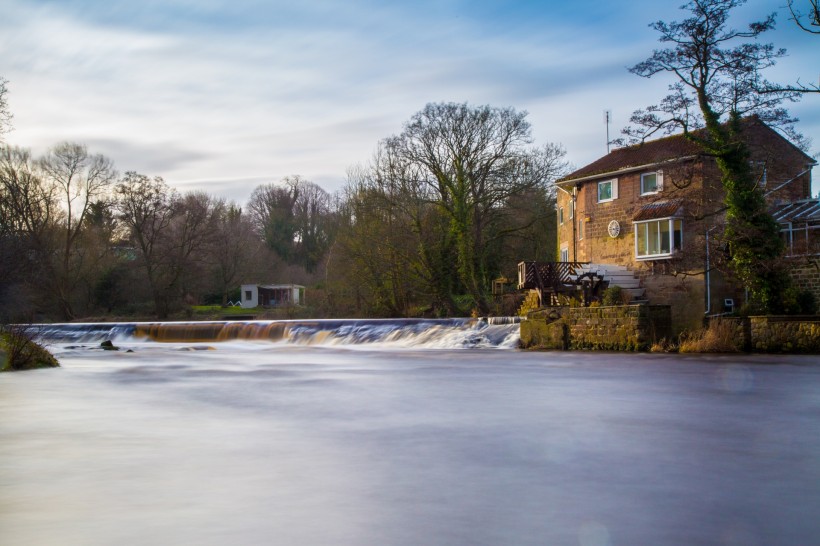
x: 225, y: 95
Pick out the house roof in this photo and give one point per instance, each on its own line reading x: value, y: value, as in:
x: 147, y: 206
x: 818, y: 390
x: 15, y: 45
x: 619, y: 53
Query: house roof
x: 804, y: 210
x: 640, y: 155
x: 652, y: 211
x: 655, y: 152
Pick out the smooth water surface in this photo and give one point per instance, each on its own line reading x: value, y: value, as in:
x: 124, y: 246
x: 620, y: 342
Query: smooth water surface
x: 245, y: 443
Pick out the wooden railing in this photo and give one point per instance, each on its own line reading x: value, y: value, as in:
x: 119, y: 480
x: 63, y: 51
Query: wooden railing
x: 550, y: 279
x: 546, y: 275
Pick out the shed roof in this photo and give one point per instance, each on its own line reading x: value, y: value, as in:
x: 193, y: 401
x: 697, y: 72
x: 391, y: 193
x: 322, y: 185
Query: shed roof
x: 804, y: 210
x: 653, y: 211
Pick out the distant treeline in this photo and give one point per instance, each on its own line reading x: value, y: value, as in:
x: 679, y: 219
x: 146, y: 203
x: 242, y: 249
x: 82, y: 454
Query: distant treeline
x: 452, y: 202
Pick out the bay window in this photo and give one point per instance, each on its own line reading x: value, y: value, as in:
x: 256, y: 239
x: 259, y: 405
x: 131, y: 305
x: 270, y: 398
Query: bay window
x: 657, y: 239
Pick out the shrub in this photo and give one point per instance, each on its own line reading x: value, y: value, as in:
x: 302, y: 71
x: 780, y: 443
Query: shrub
x: 22, y: 352
x: 613, y: 295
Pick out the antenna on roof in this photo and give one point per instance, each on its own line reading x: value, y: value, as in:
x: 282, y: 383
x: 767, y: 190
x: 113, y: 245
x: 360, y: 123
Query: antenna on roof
x: 607, y: 119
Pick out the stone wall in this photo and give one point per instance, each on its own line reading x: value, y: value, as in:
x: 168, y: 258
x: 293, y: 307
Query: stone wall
x: 806, y: 276
x: 785, y: 334
x: 617, y: 328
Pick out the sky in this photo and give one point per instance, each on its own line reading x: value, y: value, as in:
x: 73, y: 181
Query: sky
x: 223, y: 96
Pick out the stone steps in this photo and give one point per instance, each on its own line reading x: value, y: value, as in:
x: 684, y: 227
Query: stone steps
x: 616, y: 275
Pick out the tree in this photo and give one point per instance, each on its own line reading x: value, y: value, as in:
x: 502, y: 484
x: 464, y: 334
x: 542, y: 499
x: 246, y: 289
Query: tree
x: 806, y: 20
x: 467, y: 162
x: 233, y: 247
x: 272, y: 210
x: 79, y: 179
x: 293, y: 217
x: 145, y: 206
x: 5, y: 114
x: 718, y: 82
x: 374, y: 262
x: 28, y: 212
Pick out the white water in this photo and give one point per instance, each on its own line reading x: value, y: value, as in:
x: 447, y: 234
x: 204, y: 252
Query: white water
x: 495, y: 332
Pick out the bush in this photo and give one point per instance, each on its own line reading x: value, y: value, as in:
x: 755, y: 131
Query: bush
x: 613, y: 295
x: 794, y: 301
x: 19, y: 351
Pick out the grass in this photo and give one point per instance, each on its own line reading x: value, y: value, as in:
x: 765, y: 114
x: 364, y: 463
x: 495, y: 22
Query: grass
x: 719, y: 337
x: 222, y: 311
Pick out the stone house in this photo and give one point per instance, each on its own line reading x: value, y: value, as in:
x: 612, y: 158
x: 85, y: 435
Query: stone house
x: 657, y: 210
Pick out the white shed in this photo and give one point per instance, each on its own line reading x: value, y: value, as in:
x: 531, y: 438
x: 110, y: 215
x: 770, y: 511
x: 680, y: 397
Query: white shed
x: 272, y: 295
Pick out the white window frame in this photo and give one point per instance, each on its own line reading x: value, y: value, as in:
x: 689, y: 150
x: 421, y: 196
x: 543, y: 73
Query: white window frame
x: 560, y: 216
x: 571, y: 209
x: 658, y: 183
x: 613, y: 192
x: 564, y: 253
x: 659, y: 255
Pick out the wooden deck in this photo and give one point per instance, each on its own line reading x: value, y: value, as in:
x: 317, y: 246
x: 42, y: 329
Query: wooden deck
x: 553, y: 279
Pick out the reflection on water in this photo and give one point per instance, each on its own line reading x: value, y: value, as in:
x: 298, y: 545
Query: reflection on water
x: 268, y: 443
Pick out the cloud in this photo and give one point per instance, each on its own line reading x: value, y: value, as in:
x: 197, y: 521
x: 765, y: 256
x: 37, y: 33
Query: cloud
x: 203, y: 91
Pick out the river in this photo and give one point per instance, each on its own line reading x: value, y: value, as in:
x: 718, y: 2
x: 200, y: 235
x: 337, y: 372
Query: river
x: 402, y: 433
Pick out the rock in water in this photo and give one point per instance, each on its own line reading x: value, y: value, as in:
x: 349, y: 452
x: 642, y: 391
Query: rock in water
x: 108, y: 346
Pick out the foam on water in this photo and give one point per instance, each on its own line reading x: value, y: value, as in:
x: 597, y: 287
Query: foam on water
x: 493, y: 332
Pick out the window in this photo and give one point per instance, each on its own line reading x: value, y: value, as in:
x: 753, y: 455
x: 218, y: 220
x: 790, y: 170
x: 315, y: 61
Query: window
x: 580, y: 228
x: 658, y: 238
x: 572, y: 209
x: 560, y: 215
x: 248, y: 296
x: 607, y: 190
x: 651, y: 182
x: 564, y: 254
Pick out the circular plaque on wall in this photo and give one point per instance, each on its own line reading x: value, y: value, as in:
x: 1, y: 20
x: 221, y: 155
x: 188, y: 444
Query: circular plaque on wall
x: 614, y: 229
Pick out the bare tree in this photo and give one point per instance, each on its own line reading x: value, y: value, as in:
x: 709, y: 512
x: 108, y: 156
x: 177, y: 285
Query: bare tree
x: 468, y: 161
x: 809, y: 21
x: 234, y: 246
x: 5, y: 113
x: 28, y: 212
x: 145, y: 206
x: 79, y: 179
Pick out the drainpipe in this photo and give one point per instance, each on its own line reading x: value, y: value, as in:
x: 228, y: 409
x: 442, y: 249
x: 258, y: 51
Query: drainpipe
x: 574, y: 198
x: 572, y: 221
x: 707, y: 276
x: 708, y: 285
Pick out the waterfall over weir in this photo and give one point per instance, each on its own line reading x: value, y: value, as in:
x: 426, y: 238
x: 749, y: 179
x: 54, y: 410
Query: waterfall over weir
x: 491, y: 332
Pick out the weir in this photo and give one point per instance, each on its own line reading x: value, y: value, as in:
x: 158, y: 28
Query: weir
x: 489, y: 332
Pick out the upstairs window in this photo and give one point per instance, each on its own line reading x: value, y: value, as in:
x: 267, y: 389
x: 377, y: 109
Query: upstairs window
x: 658, y: 239
x: 651, y: 182
x: 560, y: 215
x: 607, y: 190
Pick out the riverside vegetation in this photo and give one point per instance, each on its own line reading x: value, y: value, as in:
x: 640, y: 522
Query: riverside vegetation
x: 19, y: 351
